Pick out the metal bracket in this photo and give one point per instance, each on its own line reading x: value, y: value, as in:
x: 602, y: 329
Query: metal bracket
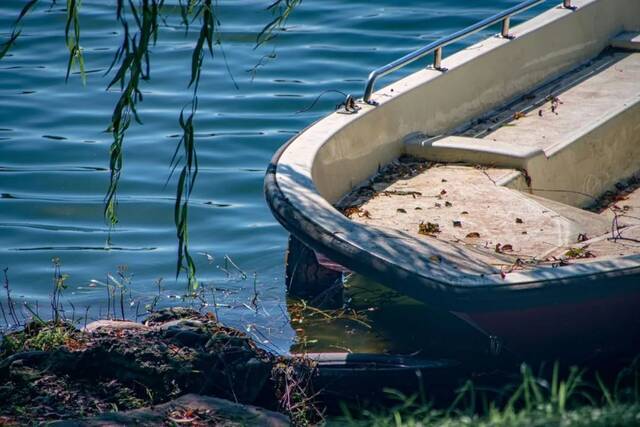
x: 495, y: 345
x: 349, y: 106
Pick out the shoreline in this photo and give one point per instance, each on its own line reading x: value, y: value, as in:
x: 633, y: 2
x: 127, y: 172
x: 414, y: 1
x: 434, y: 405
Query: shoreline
x: 52, y: 371
x: 182, y: 367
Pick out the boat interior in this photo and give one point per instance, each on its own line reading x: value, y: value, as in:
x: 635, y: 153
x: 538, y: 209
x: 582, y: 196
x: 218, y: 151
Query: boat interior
x: 548, y: 179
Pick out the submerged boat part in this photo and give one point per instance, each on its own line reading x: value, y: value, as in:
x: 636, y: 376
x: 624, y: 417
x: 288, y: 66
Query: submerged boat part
x: 308, y: 279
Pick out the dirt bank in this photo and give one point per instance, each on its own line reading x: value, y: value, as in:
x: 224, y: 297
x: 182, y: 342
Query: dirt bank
x: 52, y: 372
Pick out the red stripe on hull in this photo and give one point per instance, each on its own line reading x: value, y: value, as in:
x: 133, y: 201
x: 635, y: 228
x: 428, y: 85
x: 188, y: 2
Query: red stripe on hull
x: 606, y: 324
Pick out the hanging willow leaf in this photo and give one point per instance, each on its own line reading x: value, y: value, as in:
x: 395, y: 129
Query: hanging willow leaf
x: 281, y: 10
x: 15, y: 32
x: 6, y: 46
x: 73, y: 41
x: 189, y: 158
x: 132, y: 64
x: 185, y: 186
x: 27, y: 7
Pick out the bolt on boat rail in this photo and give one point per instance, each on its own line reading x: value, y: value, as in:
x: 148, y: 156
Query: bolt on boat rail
x: 436, y: 47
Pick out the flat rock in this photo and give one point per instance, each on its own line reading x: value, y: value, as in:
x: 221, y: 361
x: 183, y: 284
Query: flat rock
x: 168, y: 314
x: 190, y: 409
x: 114, y: 325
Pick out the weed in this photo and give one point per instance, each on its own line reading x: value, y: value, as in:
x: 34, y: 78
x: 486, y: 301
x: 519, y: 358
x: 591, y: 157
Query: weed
x: 428, y: 229
x: 571, y: 401
x: 577, y: 253
x: 59, y: 285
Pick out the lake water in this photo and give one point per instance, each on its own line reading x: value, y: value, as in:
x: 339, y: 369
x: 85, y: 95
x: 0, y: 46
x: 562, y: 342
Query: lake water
x: 54, y: 155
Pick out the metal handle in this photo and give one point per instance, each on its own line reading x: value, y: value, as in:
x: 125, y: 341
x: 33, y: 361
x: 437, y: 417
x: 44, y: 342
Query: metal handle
x: 436, y: 47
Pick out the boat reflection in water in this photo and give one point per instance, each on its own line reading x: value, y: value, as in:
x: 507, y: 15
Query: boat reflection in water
x: 377, y: 319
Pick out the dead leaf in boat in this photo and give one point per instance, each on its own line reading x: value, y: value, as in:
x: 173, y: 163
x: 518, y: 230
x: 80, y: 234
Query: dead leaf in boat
x: 473, y: 235
x: 428, y: 229
x: 354, y: 210
x: 555, y: 101
x: 518, y: 115
x: 351, y: 210
x: 500, y: 248
x: 578, y: 253
x: 457, y: 224
x: 402, y: 193
x: 519, y: 221
x: 400, y: 210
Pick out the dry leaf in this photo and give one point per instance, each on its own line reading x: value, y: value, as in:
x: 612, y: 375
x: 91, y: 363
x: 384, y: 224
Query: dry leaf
x: 428, y: 229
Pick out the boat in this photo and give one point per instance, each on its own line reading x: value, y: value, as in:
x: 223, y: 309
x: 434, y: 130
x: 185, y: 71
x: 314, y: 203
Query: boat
x: 499, y: 183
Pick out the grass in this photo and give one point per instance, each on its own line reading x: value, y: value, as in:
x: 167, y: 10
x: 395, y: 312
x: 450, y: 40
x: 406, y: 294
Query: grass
x: 39, y: 336
x: 571, y: 401
x: 609, y: 416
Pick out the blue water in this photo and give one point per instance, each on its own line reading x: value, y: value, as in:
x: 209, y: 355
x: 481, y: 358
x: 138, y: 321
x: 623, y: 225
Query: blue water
x: 54, y: 150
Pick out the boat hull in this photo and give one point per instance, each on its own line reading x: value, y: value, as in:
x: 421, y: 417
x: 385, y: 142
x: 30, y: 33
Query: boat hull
x: 587, y: 305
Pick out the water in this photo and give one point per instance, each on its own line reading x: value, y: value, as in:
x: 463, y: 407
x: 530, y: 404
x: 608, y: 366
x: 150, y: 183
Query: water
x: 54, y: 154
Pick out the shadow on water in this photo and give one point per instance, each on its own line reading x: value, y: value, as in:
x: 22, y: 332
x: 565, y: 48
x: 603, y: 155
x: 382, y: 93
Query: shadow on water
x: 381, y: 340
x: 381, y: 320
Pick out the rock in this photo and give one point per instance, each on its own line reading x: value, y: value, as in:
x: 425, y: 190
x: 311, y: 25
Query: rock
x: 183, y: 324
x: 168, y: 314
x: 113, y: 325
x: 185, y: 337
x: 191, y: 409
